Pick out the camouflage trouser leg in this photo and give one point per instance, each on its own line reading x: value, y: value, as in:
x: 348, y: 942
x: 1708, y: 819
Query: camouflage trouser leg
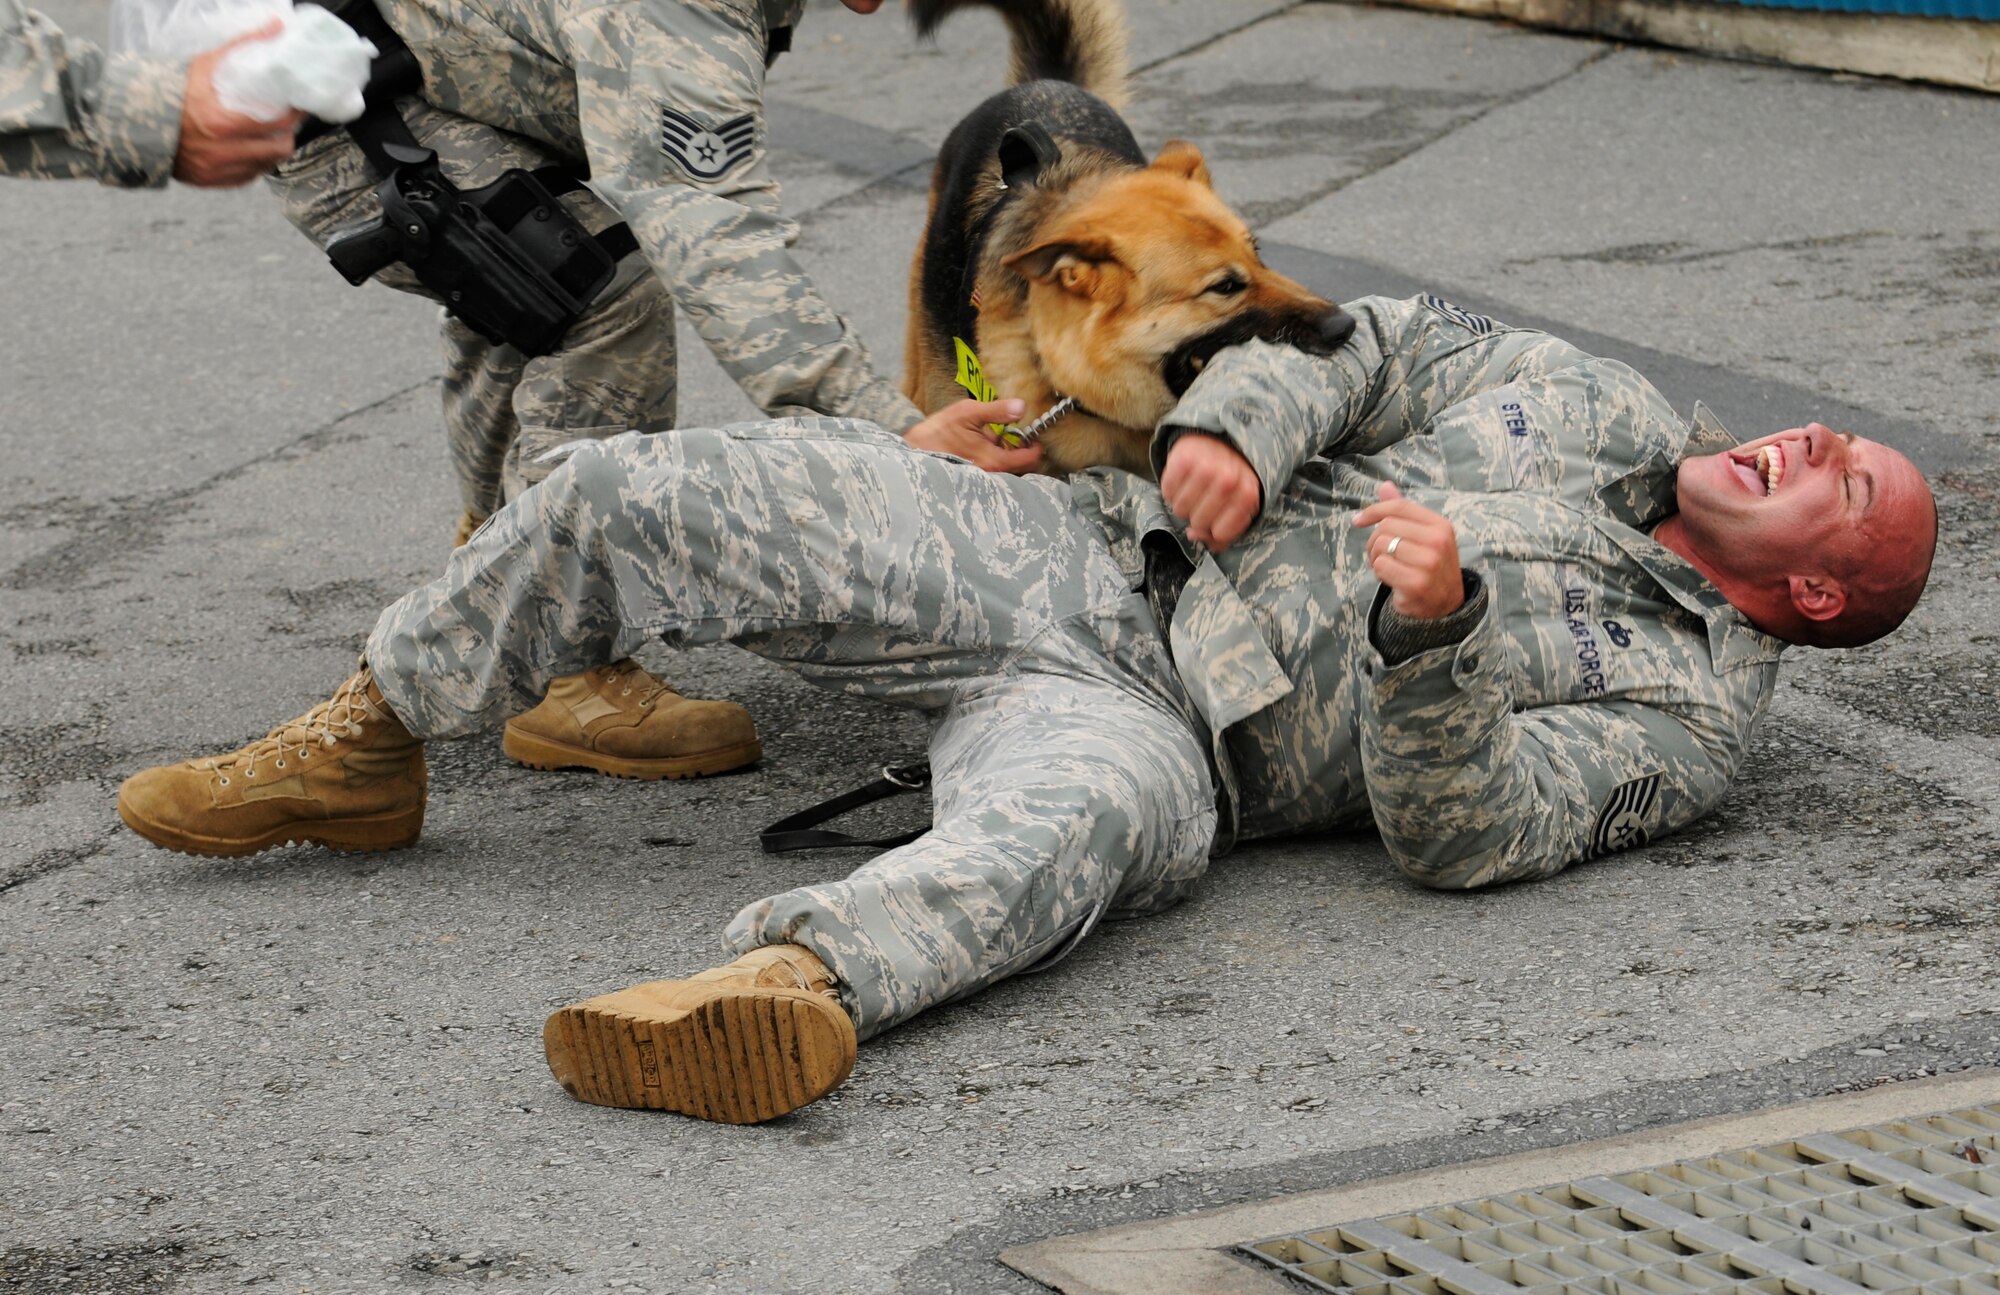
x: 1070, y: 773
x: 503, y: 410
x: 1059, y: 800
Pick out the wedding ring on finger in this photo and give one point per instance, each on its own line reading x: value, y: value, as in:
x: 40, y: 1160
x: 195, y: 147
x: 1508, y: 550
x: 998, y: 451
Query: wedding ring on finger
x: 1390, y: 552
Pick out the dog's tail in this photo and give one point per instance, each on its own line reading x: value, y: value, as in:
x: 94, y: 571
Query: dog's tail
x: 1079, y: 41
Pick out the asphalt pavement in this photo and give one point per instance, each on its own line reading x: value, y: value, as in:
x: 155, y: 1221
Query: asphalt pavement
x: 311, y: 1072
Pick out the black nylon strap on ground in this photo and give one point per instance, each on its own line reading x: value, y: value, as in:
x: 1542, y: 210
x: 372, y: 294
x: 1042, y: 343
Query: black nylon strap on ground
x: 800, y: 831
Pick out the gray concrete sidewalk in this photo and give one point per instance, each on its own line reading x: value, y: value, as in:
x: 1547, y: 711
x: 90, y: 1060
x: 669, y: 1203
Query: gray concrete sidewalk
x: 305, y: 1072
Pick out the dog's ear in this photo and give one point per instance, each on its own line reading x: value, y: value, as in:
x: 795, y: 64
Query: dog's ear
x: 1025, y: 152
x: 1074, y: 264
x: 1178, y: 157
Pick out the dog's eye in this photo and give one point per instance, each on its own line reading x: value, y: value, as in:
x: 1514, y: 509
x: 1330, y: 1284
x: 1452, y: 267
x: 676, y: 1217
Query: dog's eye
x: 1227, y: 287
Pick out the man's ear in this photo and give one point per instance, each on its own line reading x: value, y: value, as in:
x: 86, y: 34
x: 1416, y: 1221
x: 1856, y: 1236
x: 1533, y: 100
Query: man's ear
x: 1817, y: 598
x: 1074, y: 264
x: 1178, y: 157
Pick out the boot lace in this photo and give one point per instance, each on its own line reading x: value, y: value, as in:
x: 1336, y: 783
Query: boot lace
x: 812, y: 983
x: 325, y: 724
x: 635, y: 677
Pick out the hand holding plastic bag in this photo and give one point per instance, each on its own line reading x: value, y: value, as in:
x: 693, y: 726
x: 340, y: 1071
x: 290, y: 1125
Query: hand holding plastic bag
x: 221, y: 149
x: 314, y: 63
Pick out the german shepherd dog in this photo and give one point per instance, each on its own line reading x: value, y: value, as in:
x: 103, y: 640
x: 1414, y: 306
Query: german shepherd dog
x: 1057, y: 262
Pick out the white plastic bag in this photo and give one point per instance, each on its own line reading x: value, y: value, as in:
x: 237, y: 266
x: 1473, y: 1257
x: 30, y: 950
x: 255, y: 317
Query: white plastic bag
x: 183, y: 28
x: 316, y: 63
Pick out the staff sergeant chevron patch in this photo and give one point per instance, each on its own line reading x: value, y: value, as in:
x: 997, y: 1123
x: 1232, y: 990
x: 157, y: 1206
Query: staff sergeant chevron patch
x: 705, y: 150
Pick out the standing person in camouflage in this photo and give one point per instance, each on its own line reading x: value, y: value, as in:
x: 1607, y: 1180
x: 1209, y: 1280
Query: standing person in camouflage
x: 665, y: 102
x: 67, y: 110
x: 1459, y: 577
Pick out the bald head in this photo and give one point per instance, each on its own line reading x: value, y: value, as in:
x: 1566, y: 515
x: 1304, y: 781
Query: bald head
x: 1819, y: 537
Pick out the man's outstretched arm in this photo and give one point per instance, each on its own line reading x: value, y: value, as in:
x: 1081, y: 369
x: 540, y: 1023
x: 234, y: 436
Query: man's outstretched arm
x: 1406, y: 362
x: 67, y: 111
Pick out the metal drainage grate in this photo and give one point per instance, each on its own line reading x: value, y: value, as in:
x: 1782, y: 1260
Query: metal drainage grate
x: 1907, y: 1206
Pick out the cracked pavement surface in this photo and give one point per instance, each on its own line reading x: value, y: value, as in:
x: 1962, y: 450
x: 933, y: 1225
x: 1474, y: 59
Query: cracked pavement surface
x: 308, y: 1072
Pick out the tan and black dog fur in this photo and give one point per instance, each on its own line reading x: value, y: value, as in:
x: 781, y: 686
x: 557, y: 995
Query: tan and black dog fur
x: 1071, y: 265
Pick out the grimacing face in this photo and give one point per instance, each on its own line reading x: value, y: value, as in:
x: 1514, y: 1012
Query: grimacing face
x: 1809, y: 504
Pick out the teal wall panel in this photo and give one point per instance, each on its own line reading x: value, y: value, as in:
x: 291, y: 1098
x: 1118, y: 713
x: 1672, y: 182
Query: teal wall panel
x: 1987, y: 10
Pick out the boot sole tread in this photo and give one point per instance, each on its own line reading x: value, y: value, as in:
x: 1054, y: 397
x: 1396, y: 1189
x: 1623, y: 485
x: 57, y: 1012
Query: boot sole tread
x: 372, y: 834
x: 719, y: 1053
x: 544, y: 753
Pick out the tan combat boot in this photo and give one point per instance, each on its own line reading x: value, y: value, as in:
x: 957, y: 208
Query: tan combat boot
x: 620, y: 720
x: 345, y: 774
x: 617, y: 719
x: 740, y: 1044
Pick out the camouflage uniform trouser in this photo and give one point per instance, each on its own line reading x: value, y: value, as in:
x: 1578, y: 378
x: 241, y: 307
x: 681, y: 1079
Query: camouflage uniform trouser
x: 502, y: 410
x: 1068, y: 766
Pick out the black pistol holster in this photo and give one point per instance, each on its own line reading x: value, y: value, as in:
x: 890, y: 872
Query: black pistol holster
x: 507, y: 259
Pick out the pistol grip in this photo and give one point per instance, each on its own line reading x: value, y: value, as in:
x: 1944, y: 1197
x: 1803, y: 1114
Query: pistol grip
x: 359, y: 253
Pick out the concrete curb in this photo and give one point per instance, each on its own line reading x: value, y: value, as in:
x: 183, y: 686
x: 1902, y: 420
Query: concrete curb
x: 1947, y: 51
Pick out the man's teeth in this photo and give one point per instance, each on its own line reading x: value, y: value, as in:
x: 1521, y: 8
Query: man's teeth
x: 1771, y: 465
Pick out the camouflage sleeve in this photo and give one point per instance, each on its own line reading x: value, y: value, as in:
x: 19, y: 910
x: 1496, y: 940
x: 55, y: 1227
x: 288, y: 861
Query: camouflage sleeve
x: 1406, y: 362
x: 1466, y: 792
x: 670, y: 99
x: 68, y: 111
x: 1398, y: 637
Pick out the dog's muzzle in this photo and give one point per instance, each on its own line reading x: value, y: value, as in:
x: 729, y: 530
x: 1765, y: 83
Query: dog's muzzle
x: 1320, y: 334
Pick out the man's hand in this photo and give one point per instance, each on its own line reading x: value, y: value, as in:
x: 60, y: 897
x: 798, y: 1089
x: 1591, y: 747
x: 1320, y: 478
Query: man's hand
x: 1422, y: 572
x: 960, y: 429
x: 221, y: 149
x: 1212, y: 488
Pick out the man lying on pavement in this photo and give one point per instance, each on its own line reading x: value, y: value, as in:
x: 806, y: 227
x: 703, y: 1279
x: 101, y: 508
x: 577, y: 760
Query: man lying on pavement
x: 1459, y: 577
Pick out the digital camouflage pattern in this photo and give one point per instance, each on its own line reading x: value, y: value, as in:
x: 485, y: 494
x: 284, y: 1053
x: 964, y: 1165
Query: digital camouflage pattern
x: 1606, y: 695
x: 1067, y: 764
x: 664, y: 100
x: 67, y: 110
x: 504, y: 411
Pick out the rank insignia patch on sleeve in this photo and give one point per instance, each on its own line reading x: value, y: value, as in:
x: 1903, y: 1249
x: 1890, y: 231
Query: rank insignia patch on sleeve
x: 1623, y: 822
x: 1479, y: 324
x: 706, y: 150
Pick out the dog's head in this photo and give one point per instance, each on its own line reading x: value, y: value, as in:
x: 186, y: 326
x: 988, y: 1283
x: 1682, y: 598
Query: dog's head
x: 1134, y: 284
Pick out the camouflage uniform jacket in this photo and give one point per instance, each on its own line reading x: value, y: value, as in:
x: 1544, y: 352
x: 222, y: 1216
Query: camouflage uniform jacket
x: 665, y: 103
x: 67, y: 110
x: 1606, y: 695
